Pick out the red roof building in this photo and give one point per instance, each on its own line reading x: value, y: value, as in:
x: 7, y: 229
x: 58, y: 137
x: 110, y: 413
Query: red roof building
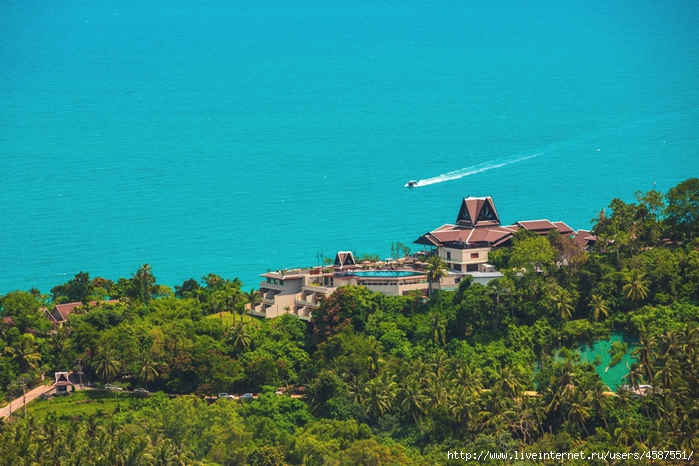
x: 466, y: 244
x: 60, y: 312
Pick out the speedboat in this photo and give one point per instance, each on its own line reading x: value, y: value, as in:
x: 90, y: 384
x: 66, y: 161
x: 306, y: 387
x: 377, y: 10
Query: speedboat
x: 411, y: 184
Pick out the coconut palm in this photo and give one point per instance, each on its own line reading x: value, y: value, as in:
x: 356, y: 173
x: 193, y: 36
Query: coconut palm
x: 436, y: 391
x: 562, y: 304
x: 635, y: 287
x: 625, y: 432
x: 375, y: 362
x: 232, y: 303
x: 464, y: 406
x: 411, y: 399
x: 239, y: 337
x: 598, y: 306
x: 509, y: 383
x: 598, y: 401
x: 106, y: 365
x: 253, y: 297
x: 380, y: 394
x: 438, y: 328
x: 25, y: 352
x: 645, y: 354
x: 470, y: 379
x: 579, y: 411
x: 147, y: 371
x: 436, y: 270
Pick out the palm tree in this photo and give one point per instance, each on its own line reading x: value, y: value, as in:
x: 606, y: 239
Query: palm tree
x: 625, y: 432
x: 232, y: 303
x: 147, y: 372
x: 562, y: 304
x: 25, y: 352
x: 436, y: 270
x: 508, y: 383
x: 598, y: 306
x: 464, y: 406
x: 579, y: 411
x: 375, y: 362
x: 437, y: 390
x: 635, y: 288
x: 438, y: 329
x: 469, y: 379
x: 253, y: 297
x: 380, y: 394
x: 598, y: 401
x: 239, y: 337
x: 411, y: 400
x: 646, y: 356
x: 106, y: 365
x: 212, y: 282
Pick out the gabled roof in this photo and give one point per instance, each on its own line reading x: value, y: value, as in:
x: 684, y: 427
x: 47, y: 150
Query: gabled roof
x: 62, y: 379
x: 478, y: 225
x: 563, y: 228
x: 476, y: 211
x: 584, y: 238
x: 344, y: 259
x: 62, y: 311
x: 537, y: 225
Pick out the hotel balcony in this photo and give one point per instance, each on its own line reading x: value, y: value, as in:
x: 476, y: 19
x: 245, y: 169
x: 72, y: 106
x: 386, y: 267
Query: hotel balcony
x: 271, y: 286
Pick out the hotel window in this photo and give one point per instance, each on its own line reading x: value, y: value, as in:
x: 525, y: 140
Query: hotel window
x: 448, y: 256
x: 474, y: 255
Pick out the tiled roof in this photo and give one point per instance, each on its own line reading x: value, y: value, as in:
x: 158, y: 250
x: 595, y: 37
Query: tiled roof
x: 537, y: 225
x: 476, y: 211
x: 583, y: 238
x: 64, y: 310
x: 478, y: 223
x: 563, y: 228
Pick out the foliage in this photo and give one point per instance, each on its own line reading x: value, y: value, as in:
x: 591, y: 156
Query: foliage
x: 376, y: 379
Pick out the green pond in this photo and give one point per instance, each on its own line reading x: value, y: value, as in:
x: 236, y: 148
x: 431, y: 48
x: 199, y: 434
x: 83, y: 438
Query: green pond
x: 611, y: 376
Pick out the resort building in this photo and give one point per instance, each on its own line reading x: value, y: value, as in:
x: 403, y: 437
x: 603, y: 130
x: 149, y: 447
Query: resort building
x: 465, y: 245
x: 299, y: 291
x: 60, y: 312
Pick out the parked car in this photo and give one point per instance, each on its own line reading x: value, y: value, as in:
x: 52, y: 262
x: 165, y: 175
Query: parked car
x: 113, y: 387
x: 225, y: 396
x: 246, y: 397
x: 141, y: 392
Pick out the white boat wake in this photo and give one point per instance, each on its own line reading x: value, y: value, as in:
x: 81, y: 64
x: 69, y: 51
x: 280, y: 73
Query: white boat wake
x: 472, y: 170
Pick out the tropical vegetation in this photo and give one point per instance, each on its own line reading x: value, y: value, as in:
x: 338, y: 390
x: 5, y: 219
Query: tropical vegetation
x: 377, y: 379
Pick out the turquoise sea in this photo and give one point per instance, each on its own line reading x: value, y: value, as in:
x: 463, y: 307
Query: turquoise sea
x: 236, y: 137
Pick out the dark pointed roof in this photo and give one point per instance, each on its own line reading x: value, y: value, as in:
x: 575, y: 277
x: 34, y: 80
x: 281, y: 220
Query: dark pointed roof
x: 476, y: 211
x: 344, y: 259
x: 478, y: 225
x: 61, y: 379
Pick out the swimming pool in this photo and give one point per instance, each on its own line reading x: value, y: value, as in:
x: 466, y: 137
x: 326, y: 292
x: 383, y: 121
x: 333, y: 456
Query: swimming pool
x: 384, y: 273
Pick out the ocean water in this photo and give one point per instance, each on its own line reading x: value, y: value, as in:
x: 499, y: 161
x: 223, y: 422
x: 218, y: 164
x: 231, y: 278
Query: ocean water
x: 236, y: 137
